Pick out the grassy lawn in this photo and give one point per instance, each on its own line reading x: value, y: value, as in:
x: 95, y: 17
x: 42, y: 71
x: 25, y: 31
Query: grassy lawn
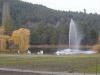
x: 69, y: 63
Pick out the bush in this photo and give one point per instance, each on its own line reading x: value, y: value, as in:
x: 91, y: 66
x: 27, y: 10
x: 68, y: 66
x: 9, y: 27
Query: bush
x: 96, y: 48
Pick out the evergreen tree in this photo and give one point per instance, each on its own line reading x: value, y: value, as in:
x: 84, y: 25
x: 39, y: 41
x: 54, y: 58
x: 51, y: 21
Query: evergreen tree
x: 6, y: 18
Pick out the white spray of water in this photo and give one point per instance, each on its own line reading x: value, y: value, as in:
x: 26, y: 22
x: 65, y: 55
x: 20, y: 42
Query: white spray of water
x: 74, y: 41
x: 74, y: 36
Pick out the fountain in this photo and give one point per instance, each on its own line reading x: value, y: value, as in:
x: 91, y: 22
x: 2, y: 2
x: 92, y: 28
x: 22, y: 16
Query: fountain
x: 74, y: 41
x: 74, y: 36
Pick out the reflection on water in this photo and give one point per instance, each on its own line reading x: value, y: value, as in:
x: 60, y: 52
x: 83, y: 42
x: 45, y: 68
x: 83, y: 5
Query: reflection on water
x: 49, y: 50
x: 45, y: 50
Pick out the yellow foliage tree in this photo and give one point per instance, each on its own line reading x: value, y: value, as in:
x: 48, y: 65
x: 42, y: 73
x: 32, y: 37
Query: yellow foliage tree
x: 21, y: 39
x: 3, y: 39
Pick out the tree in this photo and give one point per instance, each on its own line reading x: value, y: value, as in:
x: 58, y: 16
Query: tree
x: 93, y: 36
x: 22, y: 13
x: 6, y: 18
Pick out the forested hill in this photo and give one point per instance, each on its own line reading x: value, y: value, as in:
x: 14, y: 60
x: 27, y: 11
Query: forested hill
x: 50, y: 26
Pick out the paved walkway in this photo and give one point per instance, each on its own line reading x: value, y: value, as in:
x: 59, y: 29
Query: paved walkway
x: 9, y: 71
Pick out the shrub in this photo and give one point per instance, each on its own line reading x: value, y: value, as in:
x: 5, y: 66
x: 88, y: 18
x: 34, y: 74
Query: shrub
x: 96, y: 48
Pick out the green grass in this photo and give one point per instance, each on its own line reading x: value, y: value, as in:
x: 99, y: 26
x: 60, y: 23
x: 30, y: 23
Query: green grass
x: 69, y: 63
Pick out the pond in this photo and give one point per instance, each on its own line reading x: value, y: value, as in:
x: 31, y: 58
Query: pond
x: 50, y: 50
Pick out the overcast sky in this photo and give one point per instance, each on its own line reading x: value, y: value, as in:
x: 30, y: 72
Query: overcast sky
x: 73, y: 5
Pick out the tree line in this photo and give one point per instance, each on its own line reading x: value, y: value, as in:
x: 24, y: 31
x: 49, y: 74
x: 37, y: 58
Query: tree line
x: 50, y: 26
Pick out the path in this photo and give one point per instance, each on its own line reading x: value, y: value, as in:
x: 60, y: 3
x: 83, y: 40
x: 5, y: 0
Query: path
x: 9, y: 71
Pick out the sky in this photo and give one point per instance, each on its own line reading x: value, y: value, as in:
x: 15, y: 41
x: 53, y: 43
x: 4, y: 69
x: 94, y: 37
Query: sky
x: 91, y: 6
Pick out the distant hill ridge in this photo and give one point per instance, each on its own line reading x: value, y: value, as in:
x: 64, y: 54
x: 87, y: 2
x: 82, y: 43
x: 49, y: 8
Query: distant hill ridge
x: 29, y: 15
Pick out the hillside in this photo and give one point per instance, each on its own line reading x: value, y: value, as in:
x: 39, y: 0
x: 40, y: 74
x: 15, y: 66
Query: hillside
x: 50, y: 26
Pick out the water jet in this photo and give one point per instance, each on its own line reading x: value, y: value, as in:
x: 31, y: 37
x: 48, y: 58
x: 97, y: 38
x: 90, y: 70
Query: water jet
x: 75, y: 38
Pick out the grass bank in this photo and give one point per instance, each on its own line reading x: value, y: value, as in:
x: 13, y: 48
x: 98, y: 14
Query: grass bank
x: 69, y: 63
